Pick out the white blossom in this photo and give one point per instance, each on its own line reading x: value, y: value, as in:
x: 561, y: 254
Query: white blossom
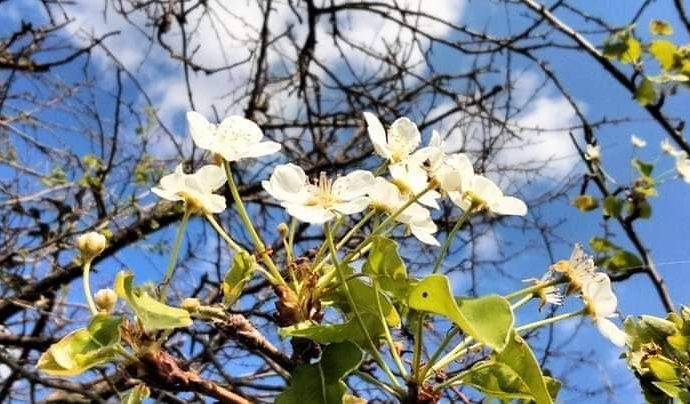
x: 195, y: 189
x: 319, y: 202
x: 412, y: 180
x: 668, y: 148
x: 234, y: 138
x: 579, y: 269
x: 485, y: 194
x: 593, y: 153
x: 386, y: 197
x: 638, y: 141
x: 396, y: 144
x: 601, y: 305
x: 451, y: 172
x: 683, y: 167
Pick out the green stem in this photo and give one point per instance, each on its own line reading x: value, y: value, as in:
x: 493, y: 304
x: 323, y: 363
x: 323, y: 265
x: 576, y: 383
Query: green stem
x: 258, y: 244
x: 387, y: 331
x: 451, y: 236
x: 417, y: 353
x: 172, y: 261
x: 223, y: 234
x: 521, y: 302
x: 396, y: 391
x: 534, y: 288
x: 550, y: 320
x: 87, y: 286
x: 439, y: 350
x: 374, y: 349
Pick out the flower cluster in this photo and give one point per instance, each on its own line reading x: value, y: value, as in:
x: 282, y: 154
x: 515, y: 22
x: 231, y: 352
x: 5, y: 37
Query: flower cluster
x: 418, y: 178
x: 595, y: 290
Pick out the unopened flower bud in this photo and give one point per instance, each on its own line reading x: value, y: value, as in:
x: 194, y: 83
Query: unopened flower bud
x: 91, y: 244
x: 191, y: 304
x: 105, y: 300
x: 283, y: 229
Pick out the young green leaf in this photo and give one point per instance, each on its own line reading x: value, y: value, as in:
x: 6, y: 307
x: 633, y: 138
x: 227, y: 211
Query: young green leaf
x: 612, y: 206
x: 333, y: 333
x: 585, y: 203
x: 645, y: 93
x: 519, y: 357
x: 364, y: 296
x: 385, y: 264
x: 660, y: 27
x: 243, y: 266
x: 433, y: 294
x: 84, y: 348
x: 321, y: 383
x: 664, y: 52
x: 497, y: 380
x: 152, y: 314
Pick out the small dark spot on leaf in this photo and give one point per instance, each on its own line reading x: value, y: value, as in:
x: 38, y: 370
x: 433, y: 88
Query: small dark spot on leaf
x: 425, y: 295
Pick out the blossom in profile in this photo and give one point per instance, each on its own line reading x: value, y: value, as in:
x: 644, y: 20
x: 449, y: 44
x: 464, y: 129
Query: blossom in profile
x: 683, y: 167
x: 579, y: 268
x: 91, y: 244
x: 235, y: 138
x: 397, y: 144
x: 450, y: 171
x: 322, y: 200
x: 386, y: 197
x: 601, y: 305
x: 637, y: 141
x: 412, y: 180
x: 593, y: 153
x: 195, y: 189
x: 546, y: 294
x: 484, y: 194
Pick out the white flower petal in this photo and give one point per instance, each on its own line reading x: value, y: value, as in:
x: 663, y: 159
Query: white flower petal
x: 609, y: 330
x: 509, y: 205
x: 210, y: 177
x: 353, y: 185
x: 213, y: 203
x: 404, y: 136
x: 354, y: 206
x: 424, y: 237
x: 309, y: 214
x: 287, y: 183
x: 377, y: 135
x: 239, y: 130
x: 485, y: 189
x: 261, y: 149
x: 165, y: 194
x: 598, y: 292
x: 202, y: 131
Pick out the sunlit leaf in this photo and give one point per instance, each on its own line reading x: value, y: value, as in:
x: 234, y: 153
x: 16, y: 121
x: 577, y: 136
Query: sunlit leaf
x: 623, y: 46
x: 433, y: 294
x: 612, y: 206
x: 664, y: 52
x: 321, y: 383
x: 643, y: 168
x: 152, y: 314
x: 84, y: 348
x: 663, y: 368
x: 243, y: 266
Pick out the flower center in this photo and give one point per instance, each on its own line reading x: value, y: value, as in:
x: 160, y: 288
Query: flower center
x: 322, y: 194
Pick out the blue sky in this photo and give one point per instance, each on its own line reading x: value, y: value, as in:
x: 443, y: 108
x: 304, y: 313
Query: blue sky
x: 666, y: 234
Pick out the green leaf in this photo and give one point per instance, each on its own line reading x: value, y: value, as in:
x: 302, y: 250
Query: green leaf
x: 643, y: 168
x: 364, y: 296
x: 152, y: 314
x: 553, y: 385
x: 612, y: 206
x: 602, y: 245
x: 498, y: 380
x: 333, y: 333
x: 136, y: 395
x: 663, y: 368
x: 433, y: 294
x: 83, y: 348
x: 518, y: 356
x: 664, y: 52
x: 645, y: 93
x: 321, y: 383
x: 384, y: 264
x: 622, y: 260
x: 585, y: 203
x: 660, y: 27
x: 623, y: 47
x: 243, y: 266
